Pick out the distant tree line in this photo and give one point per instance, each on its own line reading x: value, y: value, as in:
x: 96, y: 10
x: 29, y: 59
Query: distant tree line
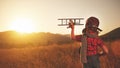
x: 12, y: 39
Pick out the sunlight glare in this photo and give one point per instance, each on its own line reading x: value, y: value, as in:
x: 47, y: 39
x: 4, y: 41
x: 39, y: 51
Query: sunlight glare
x: 23, y: 26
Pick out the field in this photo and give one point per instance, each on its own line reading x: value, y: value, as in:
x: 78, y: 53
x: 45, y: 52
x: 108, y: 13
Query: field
x: 64, y: 56
x: 55, y: 56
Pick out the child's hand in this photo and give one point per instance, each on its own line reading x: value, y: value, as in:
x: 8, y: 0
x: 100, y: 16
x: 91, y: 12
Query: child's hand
x: 101, y: 53
x: 71, y: 24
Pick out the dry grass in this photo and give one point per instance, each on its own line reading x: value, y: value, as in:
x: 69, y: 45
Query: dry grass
x: 54, y: 56
x: 64, y: 56
x: 112, y: 60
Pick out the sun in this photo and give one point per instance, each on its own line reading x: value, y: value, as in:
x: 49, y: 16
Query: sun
x: 23, y: 26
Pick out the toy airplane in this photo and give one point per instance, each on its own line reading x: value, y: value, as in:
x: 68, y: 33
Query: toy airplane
x: 68, y: 21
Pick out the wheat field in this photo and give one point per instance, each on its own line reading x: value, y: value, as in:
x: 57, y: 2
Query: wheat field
x: 64, y: 56
x: 54, y: 56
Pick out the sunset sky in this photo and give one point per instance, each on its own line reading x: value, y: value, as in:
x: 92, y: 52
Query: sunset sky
x: 42, y: 15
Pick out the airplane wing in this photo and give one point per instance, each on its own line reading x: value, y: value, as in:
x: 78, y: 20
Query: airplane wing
x: 66, y: 21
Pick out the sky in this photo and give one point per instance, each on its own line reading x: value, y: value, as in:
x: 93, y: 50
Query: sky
x: 42, y: 15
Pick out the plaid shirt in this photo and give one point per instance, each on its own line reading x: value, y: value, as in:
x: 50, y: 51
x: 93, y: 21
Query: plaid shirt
x: 92, y: 44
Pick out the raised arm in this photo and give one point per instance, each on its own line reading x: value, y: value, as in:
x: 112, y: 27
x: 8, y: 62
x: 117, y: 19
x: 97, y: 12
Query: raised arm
x: 71, y: 25
x: 73, y: 36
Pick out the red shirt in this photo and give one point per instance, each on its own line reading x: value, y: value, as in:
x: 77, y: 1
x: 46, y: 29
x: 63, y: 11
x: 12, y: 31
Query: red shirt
x: 92, y: 44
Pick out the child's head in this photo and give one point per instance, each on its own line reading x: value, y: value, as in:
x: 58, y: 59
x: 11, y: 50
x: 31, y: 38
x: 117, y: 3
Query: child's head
x: 91, y: 25
x: 92, y: 22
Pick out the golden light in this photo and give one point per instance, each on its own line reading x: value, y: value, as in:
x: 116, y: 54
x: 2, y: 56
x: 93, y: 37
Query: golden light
x: 23, y: 26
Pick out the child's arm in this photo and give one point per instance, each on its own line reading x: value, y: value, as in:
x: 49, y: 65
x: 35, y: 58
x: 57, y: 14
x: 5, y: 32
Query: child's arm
x: 73, y: 36
x: 104, y: 52
x: 105, y: 49
x: 72, y: 30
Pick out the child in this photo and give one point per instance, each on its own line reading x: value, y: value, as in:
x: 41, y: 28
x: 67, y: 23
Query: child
x: 90, y: 42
